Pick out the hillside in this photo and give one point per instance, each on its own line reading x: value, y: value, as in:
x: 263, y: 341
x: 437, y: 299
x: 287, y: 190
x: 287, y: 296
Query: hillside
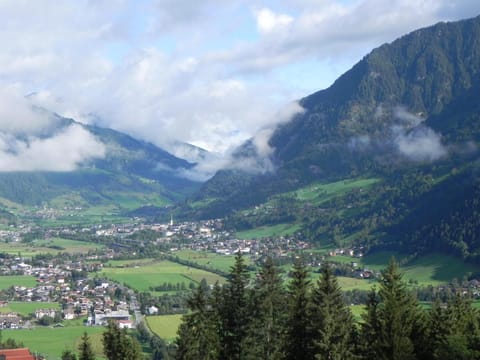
x: 406, y: 114
x: 132, y: 175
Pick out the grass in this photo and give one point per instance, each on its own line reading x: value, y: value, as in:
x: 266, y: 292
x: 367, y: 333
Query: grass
x: 269, y: 231
x: 209, y: 259
x: 436, y: 269
x: 348, y: 283
x: 53, y: 341
x: 26, y: 308
x: 165, y: 326
x: 70, y: 246
x: 319, y: 193
x: 144, y: 276
x: 433, y: 269
x: 18, y: 280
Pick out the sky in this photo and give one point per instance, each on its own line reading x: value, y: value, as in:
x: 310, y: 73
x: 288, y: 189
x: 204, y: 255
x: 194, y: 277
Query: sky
x: 212, y: 73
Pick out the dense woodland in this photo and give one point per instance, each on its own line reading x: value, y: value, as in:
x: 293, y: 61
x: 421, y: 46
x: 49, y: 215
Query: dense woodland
x: 262, y: 319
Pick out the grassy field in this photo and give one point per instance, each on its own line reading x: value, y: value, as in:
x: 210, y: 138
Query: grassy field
x: 50, y: 246
x: 434, y: 269
x: 18, y: 280
x: 142, y: 277
x: 164, y: 326
x: 348, y: 283
x: 26, y: 308
x: 268, y: 231
x: 70, y: 246
x: 52, y: 341
x: 212, y: 260
x: 319, y: 193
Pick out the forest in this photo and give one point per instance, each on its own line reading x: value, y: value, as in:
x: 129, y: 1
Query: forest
x: 262, y: 318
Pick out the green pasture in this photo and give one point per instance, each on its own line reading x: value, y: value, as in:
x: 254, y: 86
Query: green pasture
x: 26, y: 308
x: 436, y: 269
x: 433, y: 269
x: 51, y: 342
x: 319, y: 193
x: 164, y: 326
x: 268, y: 231
x: 209, y: 259
x: 17, y: 280
x: 134, y: 200
x: 142, y: 277
x: 24, y: 250
x: 130, y: 262
x: 70, y: 246
x: 348, y: 283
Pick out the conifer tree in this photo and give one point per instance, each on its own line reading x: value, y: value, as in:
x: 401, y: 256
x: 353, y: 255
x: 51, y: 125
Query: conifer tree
x: 455, y: 330
x: 370, y: 327
x: 267, y: 312
x: 85, y: 349
x: 298, y: 342
x: 198, y: 334
x: 331, y: 320
x: 396, y: 316
x: 233, y: 311
x: 117, y: 345
x: 68, y: 355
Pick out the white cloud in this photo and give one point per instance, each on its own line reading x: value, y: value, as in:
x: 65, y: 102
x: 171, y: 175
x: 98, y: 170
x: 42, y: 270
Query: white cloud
x: 199, y: 71
x: 65, y: 151
x: 421, y: 144
x: 268, y: 21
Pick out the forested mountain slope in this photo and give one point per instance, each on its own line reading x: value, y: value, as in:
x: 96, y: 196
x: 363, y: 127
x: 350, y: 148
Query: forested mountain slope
x: 129, y: 170
x: 407, y: 114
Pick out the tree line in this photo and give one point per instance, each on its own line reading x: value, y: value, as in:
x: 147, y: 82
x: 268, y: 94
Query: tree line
x: 261, y: 318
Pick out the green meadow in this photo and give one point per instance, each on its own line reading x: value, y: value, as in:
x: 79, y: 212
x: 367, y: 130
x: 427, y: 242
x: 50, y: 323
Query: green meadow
x: 164, y: 326
x: 268, y: 231
x: 67, y: 245
x: 209, y: 259
x: 26, y: 308
x: 17, y: 280
x: 51, y: 341
x: 144, y: 276
x: 434, y: 269
x: 319, y: 193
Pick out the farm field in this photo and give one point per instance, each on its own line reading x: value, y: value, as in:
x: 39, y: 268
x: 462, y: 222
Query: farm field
x: 434, y: 269
x: 348, y: 283
x: 142, y: 277
x: 164, y: 326
x: 52, y: 341
x: 67, y: 245
x: 26, y: 308
x: 18, y: 280
x: 268, y: 231
x: 319, y: 193
x: 209, y: 259
x: 50, y: 246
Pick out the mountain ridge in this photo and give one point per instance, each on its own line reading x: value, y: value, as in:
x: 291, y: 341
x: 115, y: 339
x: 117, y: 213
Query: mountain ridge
x: 407, y: 113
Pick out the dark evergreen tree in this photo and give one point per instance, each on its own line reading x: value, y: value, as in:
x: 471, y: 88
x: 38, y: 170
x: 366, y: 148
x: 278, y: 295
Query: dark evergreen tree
x: 85, y: 349
x: 198, y: 334
x: 331, y: 320
x: 117, y: 345
x: 298, y: 341
x: 68, y: 355
x: 267, y: 312
x: 233, y: 311
x: 392, y: 323
x: 454, y: 330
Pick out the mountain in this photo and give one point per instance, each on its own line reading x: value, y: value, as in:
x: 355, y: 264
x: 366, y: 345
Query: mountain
x: 407, y: 114
x: 132, y: 174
